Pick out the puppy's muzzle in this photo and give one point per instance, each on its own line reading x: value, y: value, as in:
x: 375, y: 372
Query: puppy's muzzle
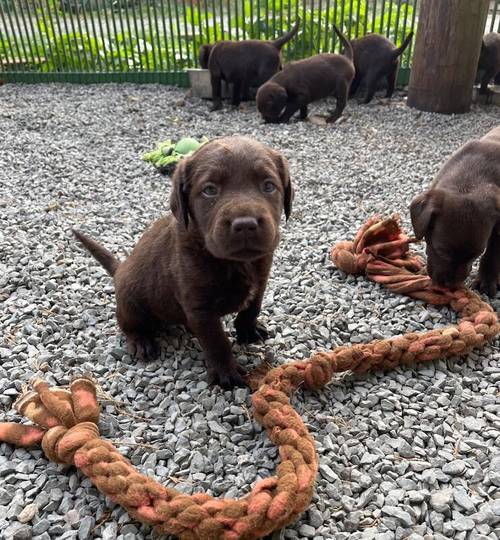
x: 243, y: 227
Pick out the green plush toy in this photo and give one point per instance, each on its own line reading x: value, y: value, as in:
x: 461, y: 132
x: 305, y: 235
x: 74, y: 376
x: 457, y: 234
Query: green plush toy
x: 167, y: 153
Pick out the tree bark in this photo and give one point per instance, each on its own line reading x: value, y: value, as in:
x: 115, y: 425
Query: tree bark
x: 449, y: 37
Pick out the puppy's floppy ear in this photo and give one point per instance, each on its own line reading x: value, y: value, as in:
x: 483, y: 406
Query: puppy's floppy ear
x: 284, y: 172
x: 424, y: 208
x: 179, y: 198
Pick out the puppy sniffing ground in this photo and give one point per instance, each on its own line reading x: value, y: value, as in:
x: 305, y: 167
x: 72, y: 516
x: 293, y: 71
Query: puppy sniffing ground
x: 210, y: 257
x: 459, y: 216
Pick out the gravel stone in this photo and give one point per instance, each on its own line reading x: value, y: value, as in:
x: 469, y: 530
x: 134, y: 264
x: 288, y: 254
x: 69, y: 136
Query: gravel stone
x: 70, y: 156
x: 28, y: 513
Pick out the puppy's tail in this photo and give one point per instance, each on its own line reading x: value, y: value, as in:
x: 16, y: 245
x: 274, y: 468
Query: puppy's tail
x: 285, y: 38
x: 205, y: 51
x: 400, y: 50
x: 346, y: 43
x: 101, y: 254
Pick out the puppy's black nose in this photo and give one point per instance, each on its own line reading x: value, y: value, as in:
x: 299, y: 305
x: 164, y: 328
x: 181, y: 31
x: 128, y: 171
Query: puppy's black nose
x: 244, y: 225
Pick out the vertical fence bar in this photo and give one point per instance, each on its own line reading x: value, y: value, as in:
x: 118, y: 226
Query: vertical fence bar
x: 229, y: 34
x: 389, y: 17
x: 44, y: 20
x: 130, y: 36
x: 200, y: 27
x: 139, y: 38
x: 12, y: 56
x: 12, y: 39
x: 186, y: 34
x: 221, y: 19
x: 413, y: 19
x: 75, y: 33
x: 237, y: 18
x: 267, y: 19
x: 281, y: 18
x: 374, y: 14
x: 493, y: 15
x: 193, y: 37
x: 398, y: 16
x: 244, y: 18
x: 123, y: 36
x: 89, y: 43
x: 96, y: 39
x: 320, y: 25
x: 214, y: 19
x: 22, y: 39
x: 367, y: 11
x: 349, y: 27
x: 358, y: 14
x: 89, y: 40
x: 31, y: 39
x: 103, y: 13
x: 382, y: 12
x: 74, y: 55
x: 304, y: 21
x: 57, y: 36
x: 177, y: 56
x: 274, y: 19
x: 165, y: 34
x: 144, y: 34
x: 334, y: 35
x: 258, y: 34
x: 327, y: 27
x: 155, y: 51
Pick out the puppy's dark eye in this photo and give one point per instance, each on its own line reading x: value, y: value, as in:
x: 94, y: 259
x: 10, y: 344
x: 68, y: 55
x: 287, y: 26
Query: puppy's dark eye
x: 210, y: 190
x: 268, y: 187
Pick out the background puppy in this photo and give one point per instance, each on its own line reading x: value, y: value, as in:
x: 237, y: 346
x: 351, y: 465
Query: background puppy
x: 245, y: 64
x: 211, y: 257
x: 489, y: 60
x: 305, y: 81
x: 459, y: 216
x: 375, y: 58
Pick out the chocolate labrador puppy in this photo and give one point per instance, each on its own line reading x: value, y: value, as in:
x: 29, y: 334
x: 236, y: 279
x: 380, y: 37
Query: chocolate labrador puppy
x: 375, y: 58
x: 245, y: 64
x: 489, y: 60
x: 210, y: 257
x: 305, y: 81
x: 459, y: 216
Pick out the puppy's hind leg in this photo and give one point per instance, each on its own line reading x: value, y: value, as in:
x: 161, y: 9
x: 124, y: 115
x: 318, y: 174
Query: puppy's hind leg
x: 139, y: 332
x: 236, y: 96
x: 391, y: 82
x: 371, y: 86
x: 341, y: 96
x: 215, y: 81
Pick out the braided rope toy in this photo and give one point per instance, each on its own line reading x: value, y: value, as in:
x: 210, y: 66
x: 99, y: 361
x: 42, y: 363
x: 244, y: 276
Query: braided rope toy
x: 66, y: 420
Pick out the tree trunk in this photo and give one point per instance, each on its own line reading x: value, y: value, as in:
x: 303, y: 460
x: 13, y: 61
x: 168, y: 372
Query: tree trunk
x: 449, y: 37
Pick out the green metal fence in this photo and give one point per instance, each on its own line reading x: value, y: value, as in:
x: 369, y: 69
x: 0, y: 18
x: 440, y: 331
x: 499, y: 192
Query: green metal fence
x: 157, y: 40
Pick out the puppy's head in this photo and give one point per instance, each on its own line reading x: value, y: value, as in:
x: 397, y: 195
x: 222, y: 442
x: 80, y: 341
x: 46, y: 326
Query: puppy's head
x: 271, y: 100
x: 456, y: 228
x: 231, y: 193
x: 205, y: 51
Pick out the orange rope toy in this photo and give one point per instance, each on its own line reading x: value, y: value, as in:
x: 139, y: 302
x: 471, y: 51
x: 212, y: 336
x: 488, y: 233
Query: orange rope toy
x: 66, y: 421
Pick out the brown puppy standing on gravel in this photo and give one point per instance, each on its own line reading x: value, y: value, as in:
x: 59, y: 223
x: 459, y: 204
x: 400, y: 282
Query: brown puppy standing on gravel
x: 211, y: 257
x: 489, y: 60
x: 459, y: 216
x: 305, y: 81
x: 376, y: 57
x: 245, y: 64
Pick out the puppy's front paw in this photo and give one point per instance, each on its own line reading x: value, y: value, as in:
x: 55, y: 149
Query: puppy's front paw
x: 143, y: 348
x: 487, y: 286
x: 216, y: 107
x: 247, y: 333
x: 228, y: 379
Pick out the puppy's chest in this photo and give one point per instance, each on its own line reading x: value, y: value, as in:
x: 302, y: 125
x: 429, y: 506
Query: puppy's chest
x: 234, y: 290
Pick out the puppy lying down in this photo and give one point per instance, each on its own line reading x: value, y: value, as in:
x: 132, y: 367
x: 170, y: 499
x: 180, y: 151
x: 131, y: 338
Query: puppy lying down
x: 210, y: 257
x: 459, y: 216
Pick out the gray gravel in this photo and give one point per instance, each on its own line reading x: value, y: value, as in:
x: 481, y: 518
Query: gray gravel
x: 409, y: 454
